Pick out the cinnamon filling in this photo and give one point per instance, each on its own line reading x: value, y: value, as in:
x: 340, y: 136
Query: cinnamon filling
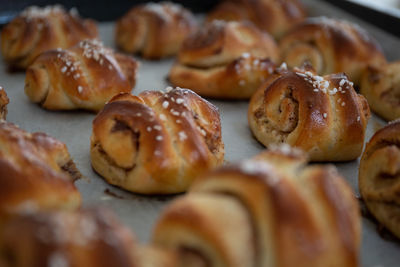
x: 71, y: 170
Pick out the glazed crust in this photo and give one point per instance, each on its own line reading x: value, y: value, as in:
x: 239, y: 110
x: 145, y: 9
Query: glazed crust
x: 379, y: 176
x: 323, y: 116
x: 272, y: 210
x: 83, y: 77
x: 331, y: 46
x: 225, y: 60
x: 156, y: 143
x: 36, y: 30
x: 37, y: 172
x: 155, y: 30
x: 381, y: 87
x: 274, y: 16
x: 3, y: 103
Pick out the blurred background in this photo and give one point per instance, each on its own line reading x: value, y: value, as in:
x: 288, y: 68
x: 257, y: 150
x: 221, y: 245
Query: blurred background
x: 378, y: 12
x: 101, y: 10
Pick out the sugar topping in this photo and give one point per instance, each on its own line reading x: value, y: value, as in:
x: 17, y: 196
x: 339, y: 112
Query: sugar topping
x: 182, y: 136
x: 321, y: 85
x: 158, y: 9
x: 165, y: 104
x: 173, y: 112
x: 318, y: 82
x: 80, y: 89
x: 285, y: 149
x: 95, y: 49
x: 33, y: 12
x: 256, y: 167
x: 283, y: 66
x: 325, y: 115
x: 159, y: 138
x: 246, y: 55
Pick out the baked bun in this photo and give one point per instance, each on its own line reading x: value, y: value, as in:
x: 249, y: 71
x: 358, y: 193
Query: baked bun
x: 323, y: 116
x: 38, y: 29
x: 274, y: 16
x: 381, y: 87
x: 90, y: 237
x: 3, y: 103
x: 83, y: 77
x: 379, y: 176
x: 225, y: 60
x: 331, y: 46
x: 37, y: 172
x: 272, y: 210
x: 155, y: 30
x: 156, y: 143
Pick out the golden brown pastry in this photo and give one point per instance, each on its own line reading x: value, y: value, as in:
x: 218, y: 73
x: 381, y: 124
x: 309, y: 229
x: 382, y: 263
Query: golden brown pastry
x: 381, y: 87
x: 155, y: 30
x: 38, y: 29
x: 225, y: 60
x: 274, y: 16
x: 90, y: 237
x: 323, y: 116
x: 85, y: 76
x: 272, y: 210
x: 3, y: 103
x: 36, y: 172
x: 331, y: 46
x: 156, y: 143
x: 379, y: 176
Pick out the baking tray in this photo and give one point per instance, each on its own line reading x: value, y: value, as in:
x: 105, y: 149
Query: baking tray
x: 140, y: 212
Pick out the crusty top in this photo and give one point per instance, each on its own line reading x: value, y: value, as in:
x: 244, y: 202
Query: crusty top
x: 155, y: 30
x: 36, y: 171
x: 344, y: 46
x: 37, y: 29
x: 194, y: 122
x: 273, y: 16
x: 84, y: 76
x: 219, y: 43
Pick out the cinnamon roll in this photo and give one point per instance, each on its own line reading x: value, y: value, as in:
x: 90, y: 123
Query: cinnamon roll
x: 37, y: 173
x: 331, y: 46
x: 156, y: 143
x: 379, y: 176
x: 37, y: 29
x: 85, y: 76
x: 225, y: 60
x: 381, y: 87
x: 272, y: 210
x: 155, y: 30
x: 323, y: 116
x: 274, y: 16
x: 89, y: 237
